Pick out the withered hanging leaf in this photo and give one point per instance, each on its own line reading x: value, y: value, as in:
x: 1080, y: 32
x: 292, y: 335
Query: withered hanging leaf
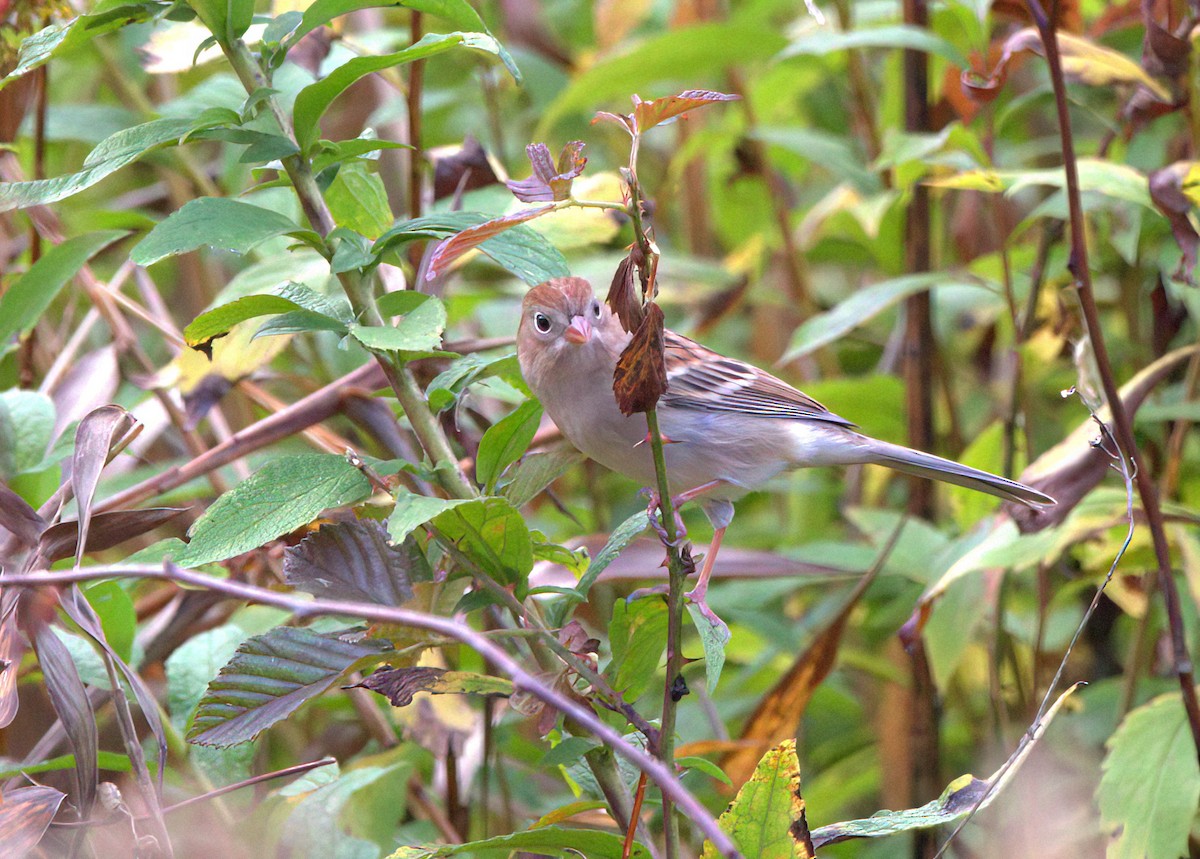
x: 467, y: 166
x: 549, y: 182
x: 1163, y: 53
x: 399, y: 685
x: 452, y: 248
x: 623, y: 120
x: 17, y: 517
x: 355, y: 561
x: 1174, y: 190
x: 647, y: 114
x: 641, y: 374
x: 98, y: 432
x: 624, y: 301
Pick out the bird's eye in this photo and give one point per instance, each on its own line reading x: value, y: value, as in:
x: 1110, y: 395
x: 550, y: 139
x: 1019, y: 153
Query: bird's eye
x: 596, y: 308
x: 541, y: 322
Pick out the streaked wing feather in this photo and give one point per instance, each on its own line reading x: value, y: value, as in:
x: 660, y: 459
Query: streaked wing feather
x: 699, y: 378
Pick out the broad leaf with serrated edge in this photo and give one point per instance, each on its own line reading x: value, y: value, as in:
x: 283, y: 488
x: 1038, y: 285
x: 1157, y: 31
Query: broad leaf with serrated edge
x: 354, y: 561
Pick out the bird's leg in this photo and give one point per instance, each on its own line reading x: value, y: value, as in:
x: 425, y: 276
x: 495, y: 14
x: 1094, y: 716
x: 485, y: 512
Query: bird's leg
x: 659, y: 528
x: 698, y: 593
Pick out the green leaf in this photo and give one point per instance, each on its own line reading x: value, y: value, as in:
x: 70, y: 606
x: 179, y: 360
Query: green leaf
x: 535, y: 472
x: 637, y: 634
x: 491, y: 533
x: 227, y: 20
x: 26, y: 424
x: 417, y: 335
x: 561, y: 841
x: 705, y: 766
x: 621, y: 536
x: 714, y: 636
x: 712, y: 47
x: 193, y: 665
x: 36, y: 50
x: 1111, y: 179
x: 864, y: 305
x: 218, y: 222
x: 505, y: 441
x: 358, y: 200
x: 27, y: 299
x: 768, y: 812
x: 314, y: 99
x: 825, y: 41
x: 109, y: 156
x: 412, y: 511
x: 1150, y: 786
x: 216, y: 323
x: 314, y: 830
x: 524, y: 252
x: 118, y: 619
x: 570, y: 751
x: 280, y: 497
x: 460, y: 13
x: 269, y: 677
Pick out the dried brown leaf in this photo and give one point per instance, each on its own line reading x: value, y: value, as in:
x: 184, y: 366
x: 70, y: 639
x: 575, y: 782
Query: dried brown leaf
x: 467, y: 167
x: 641, y: 374
x: 400, y: 685
x: 624, y: 301
x: 25, y: 814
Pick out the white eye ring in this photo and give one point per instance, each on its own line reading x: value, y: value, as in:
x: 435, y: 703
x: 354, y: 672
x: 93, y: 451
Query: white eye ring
x: 541, y: 322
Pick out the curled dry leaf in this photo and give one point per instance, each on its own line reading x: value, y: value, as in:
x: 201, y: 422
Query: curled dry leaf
x: 452, y: 248
x: 1082, y: 60
x: 641, y: 374
x: 400, y: 685
x: 549, y: 182
x: 1175, y: 190
x: 622, y: 298
x: 465, y: 168
x: 1163, y: 53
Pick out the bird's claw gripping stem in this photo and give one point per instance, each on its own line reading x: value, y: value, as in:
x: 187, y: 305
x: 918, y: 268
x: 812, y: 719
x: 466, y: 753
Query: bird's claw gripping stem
x: 652, y: 510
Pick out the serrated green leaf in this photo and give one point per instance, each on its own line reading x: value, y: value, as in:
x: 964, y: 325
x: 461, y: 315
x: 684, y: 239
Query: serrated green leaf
x: 537, y: 471
x: 218, y: 222
x: 412, y: 511
x: 505, y: 442
x: 357, y: 200
x: 417, y: 335
x: 491, y: 533
x: 637, y: 634
x: 269, y: 677
x: 27, y: 299
x: 109, y: 156
x: 1150, y: 786
x: 216, y: 323
x: 281, y: 496
x: 714, y: 636
x: 26, y: 424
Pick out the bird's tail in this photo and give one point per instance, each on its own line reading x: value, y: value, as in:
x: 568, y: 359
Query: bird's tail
x: 935, y: 468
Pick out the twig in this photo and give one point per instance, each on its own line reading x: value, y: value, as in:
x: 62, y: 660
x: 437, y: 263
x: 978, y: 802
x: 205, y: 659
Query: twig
x: 1081, y: 270
x: 655, y: 770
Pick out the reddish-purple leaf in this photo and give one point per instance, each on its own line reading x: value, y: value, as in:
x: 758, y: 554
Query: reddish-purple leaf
x: 461, y: 170
x: 97, y: 433
x: 452, y: 248
x: 74, y: 708
x: 641, y: 374
x: 25, y: 813
x: 626, y: 122
x: 549, y: 182
x: 647, y: 114
x: 354, y: 561
x: 12, y: 648
x: 1167, y: 191
x: 107, y: 530
x: 17, y: 517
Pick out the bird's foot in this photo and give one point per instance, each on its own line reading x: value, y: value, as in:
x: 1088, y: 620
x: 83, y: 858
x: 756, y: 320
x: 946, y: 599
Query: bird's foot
x: 652, y: 510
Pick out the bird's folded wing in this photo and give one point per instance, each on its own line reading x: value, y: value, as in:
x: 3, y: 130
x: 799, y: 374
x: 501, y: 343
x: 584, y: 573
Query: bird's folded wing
x: 698, y: 378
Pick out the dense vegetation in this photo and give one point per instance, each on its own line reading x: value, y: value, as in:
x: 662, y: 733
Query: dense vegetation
x: 268, y: 465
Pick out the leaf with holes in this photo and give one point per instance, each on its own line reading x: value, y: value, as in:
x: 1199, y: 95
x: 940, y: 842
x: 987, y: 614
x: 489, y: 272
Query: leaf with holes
x: 269, y: 677
x: 354, y: 561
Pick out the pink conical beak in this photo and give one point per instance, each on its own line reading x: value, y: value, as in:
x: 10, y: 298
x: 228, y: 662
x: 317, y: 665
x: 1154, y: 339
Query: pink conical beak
x: 579, y: 331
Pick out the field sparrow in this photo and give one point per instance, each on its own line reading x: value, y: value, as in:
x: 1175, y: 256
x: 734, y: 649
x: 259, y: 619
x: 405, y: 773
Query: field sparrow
x: 728, y: 426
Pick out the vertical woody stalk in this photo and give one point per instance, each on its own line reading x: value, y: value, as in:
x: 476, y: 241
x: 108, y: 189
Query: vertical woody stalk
x: 1081, y: 270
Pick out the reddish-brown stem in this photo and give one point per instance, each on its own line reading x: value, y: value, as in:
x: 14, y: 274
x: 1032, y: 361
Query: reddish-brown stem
x: 638, y: 798
x: 1123, y: 430
x: 416, y: 79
